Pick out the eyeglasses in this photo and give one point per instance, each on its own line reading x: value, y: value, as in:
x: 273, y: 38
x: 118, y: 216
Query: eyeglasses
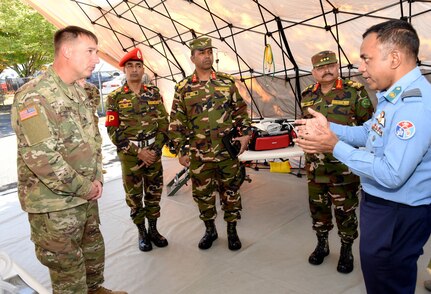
x: 330, y: 66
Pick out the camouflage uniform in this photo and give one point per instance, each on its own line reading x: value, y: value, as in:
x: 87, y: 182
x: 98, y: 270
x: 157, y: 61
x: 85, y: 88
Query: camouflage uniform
x: 329, y: 181
x: 59, y: 156
x: 141, y: 118
x: 202, y: 113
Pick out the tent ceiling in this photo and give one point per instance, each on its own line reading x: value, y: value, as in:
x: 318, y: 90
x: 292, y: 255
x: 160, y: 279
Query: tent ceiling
x: 240, y: 29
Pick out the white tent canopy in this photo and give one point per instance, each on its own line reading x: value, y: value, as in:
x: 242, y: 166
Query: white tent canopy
x: 240, y: 30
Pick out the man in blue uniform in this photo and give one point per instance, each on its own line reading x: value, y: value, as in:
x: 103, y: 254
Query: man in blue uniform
x: 395, y: 166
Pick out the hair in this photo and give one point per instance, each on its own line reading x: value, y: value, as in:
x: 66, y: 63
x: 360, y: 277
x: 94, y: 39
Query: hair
x: 70, y: 33
x: 396, y: 33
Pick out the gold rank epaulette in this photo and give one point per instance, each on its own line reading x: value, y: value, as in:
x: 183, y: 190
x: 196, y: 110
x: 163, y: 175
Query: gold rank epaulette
x: 181, y: 84
x: 308, y: 89
x: 225, y: 75
x: 354, y: 84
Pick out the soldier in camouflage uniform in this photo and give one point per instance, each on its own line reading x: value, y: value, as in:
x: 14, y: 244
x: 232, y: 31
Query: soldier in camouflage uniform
x: 329, y: 181
x: 206, y: 106
x: 137, y: 124
x: 60, y: 166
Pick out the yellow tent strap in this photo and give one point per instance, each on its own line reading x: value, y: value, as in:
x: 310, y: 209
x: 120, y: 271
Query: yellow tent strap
x: 268, y: 60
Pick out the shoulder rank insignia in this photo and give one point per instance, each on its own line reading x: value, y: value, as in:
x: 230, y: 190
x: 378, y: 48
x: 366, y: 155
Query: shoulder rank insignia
x: 394, y: 93
x: 181, y: 84
x: 355, y: 84
x: 307, y: 89
x: 225, y: 75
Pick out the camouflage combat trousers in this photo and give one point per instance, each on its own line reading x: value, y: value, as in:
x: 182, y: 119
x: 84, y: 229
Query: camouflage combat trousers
x: 345, y: 200
x: 210, y: 177
x: 136, y: 183
x: 70, y: 244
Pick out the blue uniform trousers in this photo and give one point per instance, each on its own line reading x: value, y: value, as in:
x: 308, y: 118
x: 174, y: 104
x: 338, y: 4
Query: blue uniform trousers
x: 392, y: 236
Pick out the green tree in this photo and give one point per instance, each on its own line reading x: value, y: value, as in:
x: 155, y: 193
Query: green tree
x: 25, y: 38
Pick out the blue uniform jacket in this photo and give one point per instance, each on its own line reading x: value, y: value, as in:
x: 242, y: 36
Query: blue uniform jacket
x: 396, y: 162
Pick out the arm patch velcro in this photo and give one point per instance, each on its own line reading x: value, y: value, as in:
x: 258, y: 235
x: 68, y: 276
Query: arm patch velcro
x: 34, y: 125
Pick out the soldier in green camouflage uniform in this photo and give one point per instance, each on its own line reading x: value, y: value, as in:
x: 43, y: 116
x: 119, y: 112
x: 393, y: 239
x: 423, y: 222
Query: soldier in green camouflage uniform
x: 137, y: 124
x: 329, y: 181
x: 60, y: 166
x: 206, y: 106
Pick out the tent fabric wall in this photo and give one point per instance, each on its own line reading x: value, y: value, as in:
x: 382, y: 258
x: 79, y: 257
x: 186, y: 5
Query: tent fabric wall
x: 240, y: 30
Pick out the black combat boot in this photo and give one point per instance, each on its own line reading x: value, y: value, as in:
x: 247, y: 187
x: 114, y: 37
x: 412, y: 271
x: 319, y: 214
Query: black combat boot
x: 232, y: 236
x: 210, y: 235
x: 144, y: 238
x: 155, y: 236
x: 345, y: 263
x: 321, y: 251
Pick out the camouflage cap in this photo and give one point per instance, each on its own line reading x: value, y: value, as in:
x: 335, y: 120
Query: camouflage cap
x: 323, y: 58
x: 200, y: 44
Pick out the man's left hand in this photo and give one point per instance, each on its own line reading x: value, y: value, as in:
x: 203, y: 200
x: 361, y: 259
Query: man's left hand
x: 314, y: 135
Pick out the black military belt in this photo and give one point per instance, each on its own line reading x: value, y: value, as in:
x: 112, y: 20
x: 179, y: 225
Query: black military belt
x: 377, y: 200
x: 143, y: 143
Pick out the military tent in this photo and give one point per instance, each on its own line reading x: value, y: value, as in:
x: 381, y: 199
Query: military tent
x: 290, y: 32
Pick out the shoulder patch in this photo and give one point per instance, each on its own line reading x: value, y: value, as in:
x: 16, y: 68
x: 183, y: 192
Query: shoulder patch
x: 365, y: 103
x: 34, y: 124
x: 405, y: 129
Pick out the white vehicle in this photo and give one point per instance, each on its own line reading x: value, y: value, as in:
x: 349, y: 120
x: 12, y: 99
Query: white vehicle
x: 109, y: 86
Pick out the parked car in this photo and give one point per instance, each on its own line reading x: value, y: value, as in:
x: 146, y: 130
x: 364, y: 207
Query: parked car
x: 99, y: 77
x: 3, y: 86
x: 109, y: 86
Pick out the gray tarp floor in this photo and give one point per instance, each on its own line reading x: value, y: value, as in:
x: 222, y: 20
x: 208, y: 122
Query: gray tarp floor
x: 275, y: 230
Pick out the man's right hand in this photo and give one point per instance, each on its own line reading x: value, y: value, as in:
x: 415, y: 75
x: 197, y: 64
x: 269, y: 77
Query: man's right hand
x: 148, y: 156
x: 95, y: 192
x: 184, y: 160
